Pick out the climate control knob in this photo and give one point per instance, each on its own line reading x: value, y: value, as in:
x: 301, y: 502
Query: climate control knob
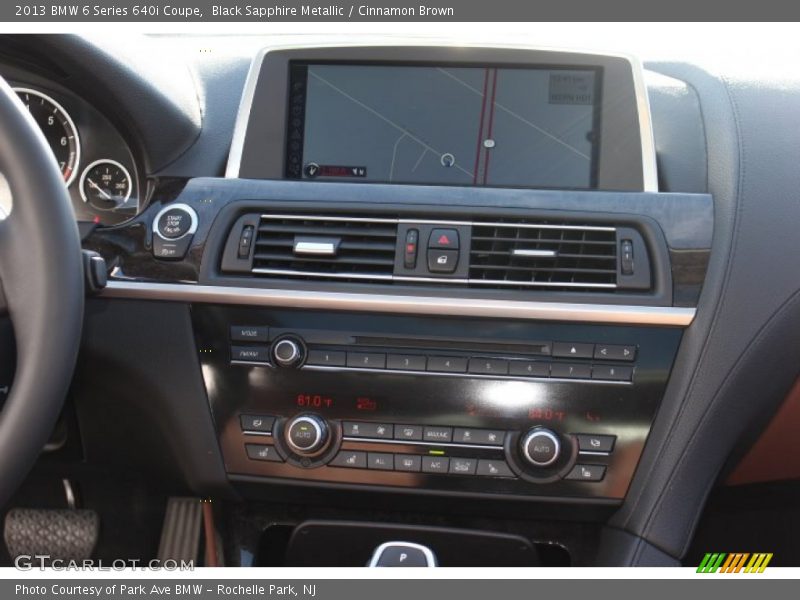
x: 306, y: 434
x: 287, y: 352
x: 540, y: 447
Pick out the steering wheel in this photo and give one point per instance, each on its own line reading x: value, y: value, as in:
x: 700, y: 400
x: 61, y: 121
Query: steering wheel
x: 41, y: 290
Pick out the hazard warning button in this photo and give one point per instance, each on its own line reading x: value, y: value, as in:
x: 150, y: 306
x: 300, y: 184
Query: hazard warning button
x: 445, y: 239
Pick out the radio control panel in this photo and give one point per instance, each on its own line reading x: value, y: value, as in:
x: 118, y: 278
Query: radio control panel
x: 391, y: 401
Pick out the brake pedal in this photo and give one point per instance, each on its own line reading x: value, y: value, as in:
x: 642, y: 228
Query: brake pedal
x: 68, y: 535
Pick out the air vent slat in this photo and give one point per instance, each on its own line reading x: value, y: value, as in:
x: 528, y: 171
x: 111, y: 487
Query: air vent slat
x: 359, y: 249
x: 581, y: 257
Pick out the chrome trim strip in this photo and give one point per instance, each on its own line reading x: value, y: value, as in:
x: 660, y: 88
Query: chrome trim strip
x: 401, y: 304
x: 649, y: 166
x: 463, y: 375
x: 593, y: 453
x: 527, y: 253
x: 420, y: 443
x: 315, y: 248
x: 444, y: 222
x: 261, y: 433
x: 411, y: 279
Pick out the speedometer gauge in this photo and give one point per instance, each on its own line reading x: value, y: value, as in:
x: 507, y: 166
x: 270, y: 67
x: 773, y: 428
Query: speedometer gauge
x: 58, y: 128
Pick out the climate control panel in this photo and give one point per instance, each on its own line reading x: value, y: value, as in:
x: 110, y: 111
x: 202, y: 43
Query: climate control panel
x: 438, y: 405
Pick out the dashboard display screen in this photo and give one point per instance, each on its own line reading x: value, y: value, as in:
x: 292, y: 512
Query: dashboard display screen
x: 448, y: 125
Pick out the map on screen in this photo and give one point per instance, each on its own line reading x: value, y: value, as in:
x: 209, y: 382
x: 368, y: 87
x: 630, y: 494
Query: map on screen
x: 490, y: 126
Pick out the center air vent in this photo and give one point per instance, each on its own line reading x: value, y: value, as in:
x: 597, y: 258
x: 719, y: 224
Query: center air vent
x: 542, y: 255
x: 349, y: 248
x: 502, y: 254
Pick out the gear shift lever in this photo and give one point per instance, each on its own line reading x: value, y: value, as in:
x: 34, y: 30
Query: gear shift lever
x: 402, y: 554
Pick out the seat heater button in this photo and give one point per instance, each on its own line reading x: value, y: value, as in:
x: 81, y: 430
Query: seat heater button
x: 260, y: 452
x: 586, y: 473
x: 493, y: 468
x: 350, y: 459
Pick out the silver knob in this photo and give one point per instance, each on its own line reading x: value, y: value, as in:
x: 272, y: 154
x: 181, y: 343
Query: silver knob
x: 540, y: 447
x: 306, y: 434
x: 287, y: 352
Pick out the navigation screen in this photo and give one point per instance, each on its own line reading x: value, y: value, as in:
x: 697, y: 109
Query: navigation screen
x: 486, y: 126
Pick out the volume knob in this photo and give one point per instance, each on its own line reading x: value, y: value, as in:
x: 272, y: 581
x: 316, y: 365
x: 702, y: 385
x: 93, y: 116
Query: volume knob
x: 287, y: 352
x: 540, y: 447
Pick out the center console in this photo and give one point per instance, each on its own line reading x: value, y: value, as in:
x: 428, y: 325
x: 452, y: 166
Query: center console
x: 430, y: 270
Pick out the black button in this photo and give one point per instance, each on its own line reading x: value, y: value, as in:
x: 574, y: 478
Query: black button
x: 366, y: 360
x: 326, y: 358
x: 352, y: 459
x: 246, y: 241
x: 171, y: 249
x: 408, y: 432
x: 256, y: 423
x: 259, y: 354
x: 405, y: 362
x: 435, y: 464
x: 612, y: 373
x: 493, y: 468
x: 527, y: 368
x: 248, y: 333
x: 442, y: 261
x: 586, y: 473
x: 407, y: 462
x: 260, y: 452
x: 174, y: 223
x: 571, y: 371
x: 445, y: 239
x: 410, y: 252
x: 447, y: 364
x: 488, y: 366
x: 595, y: 443
x: 482, y: 437
x: 380, y: 461
x: 438, y: 434
x: 402, y: 556
x: 567, y: 350
x: 367, y: 430
x: 463, y: 466
x: 613, y: 352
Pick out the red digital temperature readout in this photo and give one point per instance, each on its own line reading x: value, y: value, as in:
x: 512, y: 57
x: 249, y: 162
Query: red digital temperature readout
x: 313, y: 401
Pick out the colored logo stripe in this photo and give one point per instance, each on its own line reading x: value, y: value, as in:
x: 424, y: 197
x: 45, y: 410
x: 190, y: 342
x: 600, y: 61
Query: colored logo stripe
x: 734, y: 562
